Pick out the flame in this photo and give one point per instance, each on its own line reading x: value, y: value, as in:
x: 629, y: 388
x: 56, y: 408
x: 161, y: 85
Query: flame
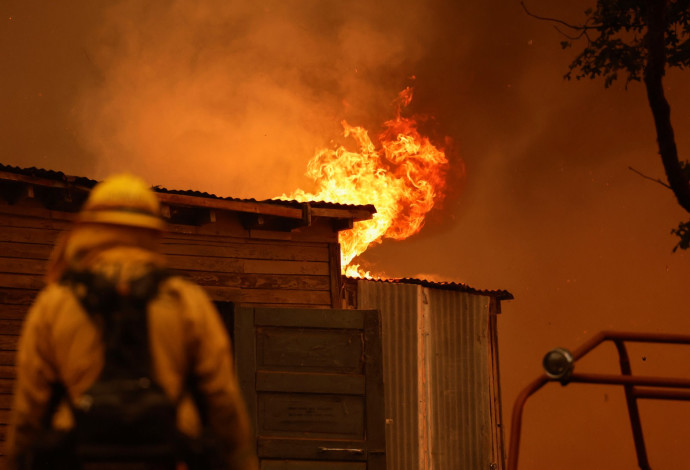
x: 403, y: 178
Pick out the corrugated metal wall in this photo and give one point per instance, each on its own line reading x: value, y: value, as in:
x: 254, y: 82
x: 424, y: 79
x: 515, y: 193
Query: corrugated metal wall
x: 438, y: 378
x: 459, y: 378
x: 398, y: 306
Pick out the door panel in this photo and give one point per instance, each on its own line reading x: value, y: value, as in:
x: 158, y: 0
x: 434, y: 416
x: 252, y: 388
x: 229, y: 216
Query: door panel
x: 313, y: 384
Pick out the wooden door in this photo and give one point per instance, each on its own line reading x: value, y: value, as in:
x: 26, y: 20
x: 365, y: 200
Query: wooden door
x: 313, y: 383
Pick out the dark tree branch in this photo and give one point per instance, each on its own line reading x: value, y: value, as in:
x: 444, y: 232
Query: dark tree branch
x: 582, y: 32
x: 582, y: 27
x: 653, y: 76
x: 656, y: 180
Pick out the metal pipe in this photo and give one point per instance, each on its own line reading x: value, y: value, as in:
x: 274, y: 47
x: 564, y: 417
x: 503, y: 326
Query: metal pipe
x: 634, y: 337
x: 678, y: 395
x: 516, y: 421
x: 613, y: 379
x: 637, y: 337
x: 633, y: 411
x: 629, y: 382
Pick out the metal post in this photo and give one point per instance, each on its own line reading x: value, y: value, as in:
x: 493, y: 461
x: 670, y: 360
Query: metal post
x: 633, y: 411
x: 516, y: 421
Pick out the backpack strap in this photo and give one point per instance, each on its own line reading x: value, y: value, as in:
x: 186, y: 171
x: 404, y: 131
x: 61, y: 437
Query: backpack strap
x: 120, y: 312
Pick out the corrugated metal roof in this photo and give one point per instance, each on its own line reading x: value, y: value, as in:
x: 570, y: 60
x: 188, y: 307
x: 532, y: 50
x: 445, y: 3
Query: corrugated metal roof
x: 498, y: 294
x: 49, y: 175
x: 90, y: 183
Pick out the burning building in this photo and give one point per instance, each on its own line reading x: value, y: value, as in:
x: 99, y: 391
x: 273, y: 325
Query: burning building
x: 337, y: 372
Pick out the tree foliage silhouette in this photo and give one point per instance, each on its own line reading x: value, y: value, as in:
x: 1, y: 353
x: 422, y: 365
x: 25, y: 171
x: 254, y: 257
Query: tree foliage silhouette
x: 636, y: 40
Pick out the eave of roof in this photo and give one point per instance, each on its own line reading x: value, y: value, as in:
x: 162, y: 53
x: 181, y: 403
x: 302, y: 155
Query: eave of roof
x: 282, y: 208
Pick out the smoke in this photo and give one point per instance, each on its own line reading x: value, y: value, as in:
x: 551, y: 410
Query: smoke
x: 234, y: 97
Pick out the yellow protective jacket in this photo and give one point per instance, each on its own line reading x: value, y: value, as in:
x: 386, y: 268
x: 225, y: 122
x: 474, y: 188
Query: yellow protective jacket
x: 59, y: 342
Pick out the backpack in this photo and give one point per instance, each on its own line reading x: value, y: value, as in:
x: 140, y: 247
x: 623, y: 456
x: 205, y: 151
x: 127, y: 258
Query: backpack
x: 125, y: 416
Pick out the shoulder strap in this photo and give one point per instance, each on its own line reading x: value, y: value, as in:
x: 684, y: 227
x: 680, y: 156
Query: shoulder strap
x: 121, y: 314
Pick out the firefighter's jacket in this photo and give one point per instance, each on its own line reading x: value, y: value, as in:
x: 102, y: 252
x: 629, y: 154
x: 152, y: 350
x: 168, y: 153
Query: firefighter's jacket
x: 60, y: 343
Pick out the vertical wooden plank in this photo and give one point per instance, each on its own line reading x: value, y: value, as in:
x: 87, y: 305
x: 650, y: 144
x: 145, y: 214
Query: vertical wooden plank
x: 245, y: 359
x: 375, y: 414
x: 334, y: 273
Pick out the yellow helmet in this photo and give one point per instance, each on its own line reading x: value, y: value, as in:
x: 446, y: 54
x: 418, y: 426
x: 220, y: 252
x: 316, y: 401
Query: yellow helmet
x: 123, y: 200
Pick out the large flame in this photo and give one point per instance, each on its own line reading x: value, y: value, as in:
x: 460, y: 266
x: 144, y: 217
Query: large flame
x: 403, y: 179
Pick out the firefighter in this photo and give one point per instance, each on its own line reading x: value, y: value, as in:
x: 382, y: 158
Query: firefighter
x: 116, y: 235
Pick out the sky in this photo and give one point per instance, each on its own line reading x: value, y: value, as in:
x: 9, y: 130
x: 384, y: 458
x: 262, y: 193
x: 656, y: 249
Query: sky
x: 234, y: 97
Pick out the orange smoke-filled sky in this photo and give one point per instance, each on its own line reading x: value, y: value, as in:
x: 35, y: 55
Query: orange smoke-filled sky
x: 234, y: 97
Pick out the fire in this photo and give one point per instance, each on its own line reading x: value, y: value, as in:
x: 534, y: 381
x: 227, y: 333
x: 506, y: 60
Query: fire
x: 403, y: 178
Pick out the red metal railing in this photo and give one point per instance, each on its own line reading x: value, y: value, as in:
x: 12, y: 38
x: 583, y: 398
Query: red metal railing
x: 658, y: 388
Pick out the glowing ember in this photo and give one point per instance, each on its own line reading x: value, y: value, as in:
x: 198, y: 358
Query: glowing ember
x: 403, y: 179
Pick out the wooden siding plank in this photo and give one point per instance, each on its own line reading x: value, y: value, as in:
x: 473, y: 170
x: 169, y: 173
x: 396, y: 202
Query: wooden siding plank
x: 332, y: 318
x: 25, y: 250
x: 207, y: 231
x: 22, y: 281
x: 233, y: 265
x: 224, y: 294
x: 258, y: 281
x: 34, y: 208
x: 28, y: 235
x: 10, y: 327
x: 7, y: 386
x: 285, y: 296
x: 8, y: 342
x: 272, y: 381
x: 22, y: 266
x: 27, y: 220
x: 262, y: 234
x: 7, y: 359
x: 5, y: 401
x: 300, y: 306
x: 230, y: 294
x: 17, y: 296
x: 192, y: 263
x: 13, y: 312
x: 7, y: 372
x: 222, y: 238
x: 240, y: 249
x: 285, y: 267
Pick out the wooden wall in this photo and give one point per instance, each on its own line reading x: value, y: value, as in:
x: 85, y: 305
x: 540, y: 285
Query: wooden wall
x: 300, y: 268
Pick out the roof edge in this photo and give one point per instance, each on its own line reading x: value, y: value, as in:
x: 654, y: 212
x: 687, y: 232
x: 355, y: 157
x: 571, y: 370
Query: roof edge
x: 289, y: 209
x: 498, y: 294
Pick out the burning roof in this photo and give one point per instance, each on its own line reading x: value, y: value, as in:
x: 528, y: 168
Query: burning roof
x: 71, y: 191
